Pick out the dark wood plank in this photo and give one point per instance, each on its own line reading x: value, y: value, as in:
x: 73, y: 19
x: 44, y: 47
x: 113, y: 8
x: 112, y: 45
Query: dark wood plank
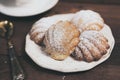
x: 96, y: 1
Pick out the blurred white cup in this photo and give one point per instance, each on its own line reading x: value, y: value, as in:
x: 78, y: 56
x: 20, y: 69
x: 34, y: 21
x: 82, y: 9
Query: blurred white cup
x: 14, y: 2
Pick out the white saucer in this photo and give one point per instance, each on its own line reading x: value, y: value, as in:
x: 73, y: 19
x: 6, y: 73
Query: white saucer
x: 33, y: 7
x: 68, y: 65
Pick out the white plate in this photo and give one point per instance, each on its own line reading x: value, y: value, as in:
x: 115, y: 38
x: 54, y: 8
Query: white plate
x: 69, y: 64
x: 33, y: 7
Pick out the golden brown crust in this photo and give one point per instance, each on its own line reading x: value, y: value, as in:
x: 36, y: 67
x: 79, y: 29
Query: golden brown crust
x: 38, y: 30
x: 93, y: 45
x: 88, y: 20
x: 61, y: 39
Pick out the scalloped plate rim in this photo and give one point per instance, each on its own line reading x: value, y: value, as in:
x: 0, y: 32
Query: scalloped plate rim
x: 64, y: 68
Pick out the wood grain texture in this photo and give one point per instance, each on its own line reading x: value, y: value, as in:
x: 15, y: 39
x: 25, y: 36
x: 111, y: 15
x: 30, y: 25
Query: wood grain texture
x: 96, y: 1
x: 109, y: 70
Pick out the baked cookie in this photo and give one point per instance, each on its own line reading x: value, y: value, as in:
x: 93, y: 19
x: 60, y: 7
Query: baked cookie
x: 61, y: 39
x: 38, y: 30
x: 88, y: 20
x: 92, y: 46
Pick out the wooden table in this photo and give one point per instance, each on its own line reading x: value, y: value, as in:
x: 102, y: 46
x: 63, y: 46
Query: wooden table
x: 109, y: 70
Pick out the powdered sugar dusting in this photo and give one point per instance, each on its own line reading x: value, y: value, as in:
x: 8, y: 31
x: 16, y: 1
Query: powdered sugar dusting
x: 95, y: 43
x: 42, y: 25
x: 69, y: 64
x: 84, y: 18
